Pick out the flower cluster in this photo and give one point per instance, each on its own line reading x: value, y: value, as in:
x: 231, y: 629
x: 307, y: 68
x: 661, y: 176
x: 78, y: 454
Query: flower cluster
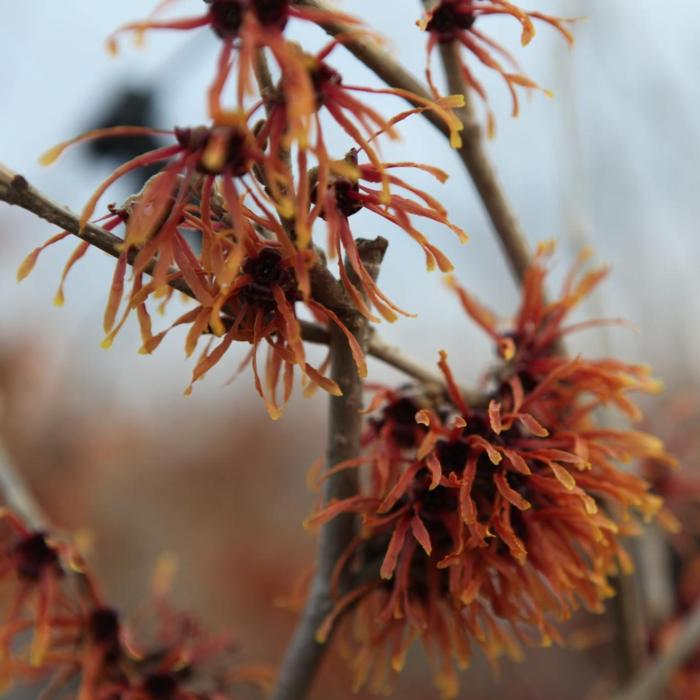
x: 487, y: 520
x: 230, y: 217
x: 459, y: 21
x: 57, y: 631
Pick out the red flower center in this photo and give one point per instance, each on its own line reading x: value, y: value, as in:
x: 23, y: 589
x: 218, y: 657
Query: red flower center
x: 436, y: 503
x: 103, y: 627
x: 235, y: 159
x: 401, y: 416
x: 453, y: 456
x: 34, y: 556
x: 226, y: 17
x: 192, y: 138
x: 346, y: 191
x: 267, y: 272
x: 345, y: 196
x: 272, y: 13
x: 323, y: 77
x: 448, y: 19
x: 160, y: 686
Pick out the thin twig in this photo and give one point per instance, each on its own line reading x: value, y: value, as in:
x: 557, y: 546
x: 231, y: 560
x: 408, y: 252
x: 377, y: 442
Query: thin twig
x: 650, y: 683
x: 18, y: 496
x: 304, y: 653
x: 391, y: 355
x: 269, y: 94
x: 629, y: 642
x: 15, y: 190
x: 483, y: 173
x: 472, y: 153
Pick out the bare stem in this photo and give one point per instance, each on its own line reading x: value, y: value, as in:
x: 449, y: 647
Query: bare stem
x: 14, y: 189
x: 482, y: 171
x: 269, y: 92
x: 629, y: 643
x: 304, y: 653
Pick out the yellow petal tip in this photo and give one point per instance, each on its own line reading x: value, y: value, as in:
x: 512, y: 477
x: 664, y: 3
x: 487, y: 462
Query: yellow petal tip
x: 52, y: 155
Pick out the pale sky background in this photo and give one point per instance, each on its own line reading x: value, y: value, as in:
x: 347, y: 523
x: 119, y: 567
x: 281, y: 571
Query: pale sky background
x: 611, y: 161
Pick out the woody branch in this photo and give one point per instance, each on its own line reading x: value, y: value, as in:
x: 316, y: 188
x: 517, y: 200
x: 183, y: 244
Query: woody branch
x: 16, y: 190
x: 304, y: 653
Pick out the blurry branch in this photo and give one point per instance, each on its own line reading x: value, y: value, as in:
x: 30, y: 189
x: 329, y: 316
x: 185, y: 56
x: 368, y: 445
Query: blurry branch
x: 482, y: 171
x: 15, y: 190
x: 656, y: 571
x: 270, y: 94
x: 627, y: 612
x: 650, y: 683
x: 472, y: 152
x: 304, y: 653
x: 18, y: 496
x: 393, y: 356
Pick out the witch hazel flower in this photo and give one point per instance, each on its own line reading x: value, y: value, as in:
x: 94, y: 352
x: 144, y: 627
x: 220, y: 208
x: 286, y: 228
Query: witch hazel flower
x: 259, y: 308
x: 245, y: 27
x: 460, y: 21
x: 59, y: 632
x: 32, y: 570
x: 210, y: 174
x: 307, y: 82
x: 341, y: 100
x: 347, y: 187
x: 490, y: 523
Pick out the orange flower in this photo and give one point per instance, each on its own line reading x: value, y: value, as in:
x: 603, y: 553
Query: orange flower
x: 154, y: 217
x: 456, y: 20
x: 294, y: 120
x: 247, y: 275
x: 79, y: 641
x: 245, y: 27
x: 345, y: 189
x: 31, y: 568
x: 258, y: 307
x: 307, y: 83
x: 485, y: 523
x: 199, y: 156
x: 230, y: 187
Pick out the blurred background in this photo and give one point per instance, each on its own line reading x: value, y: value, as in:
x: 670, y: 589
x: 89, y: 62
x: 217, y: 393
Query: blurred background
x: 108, y: 441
